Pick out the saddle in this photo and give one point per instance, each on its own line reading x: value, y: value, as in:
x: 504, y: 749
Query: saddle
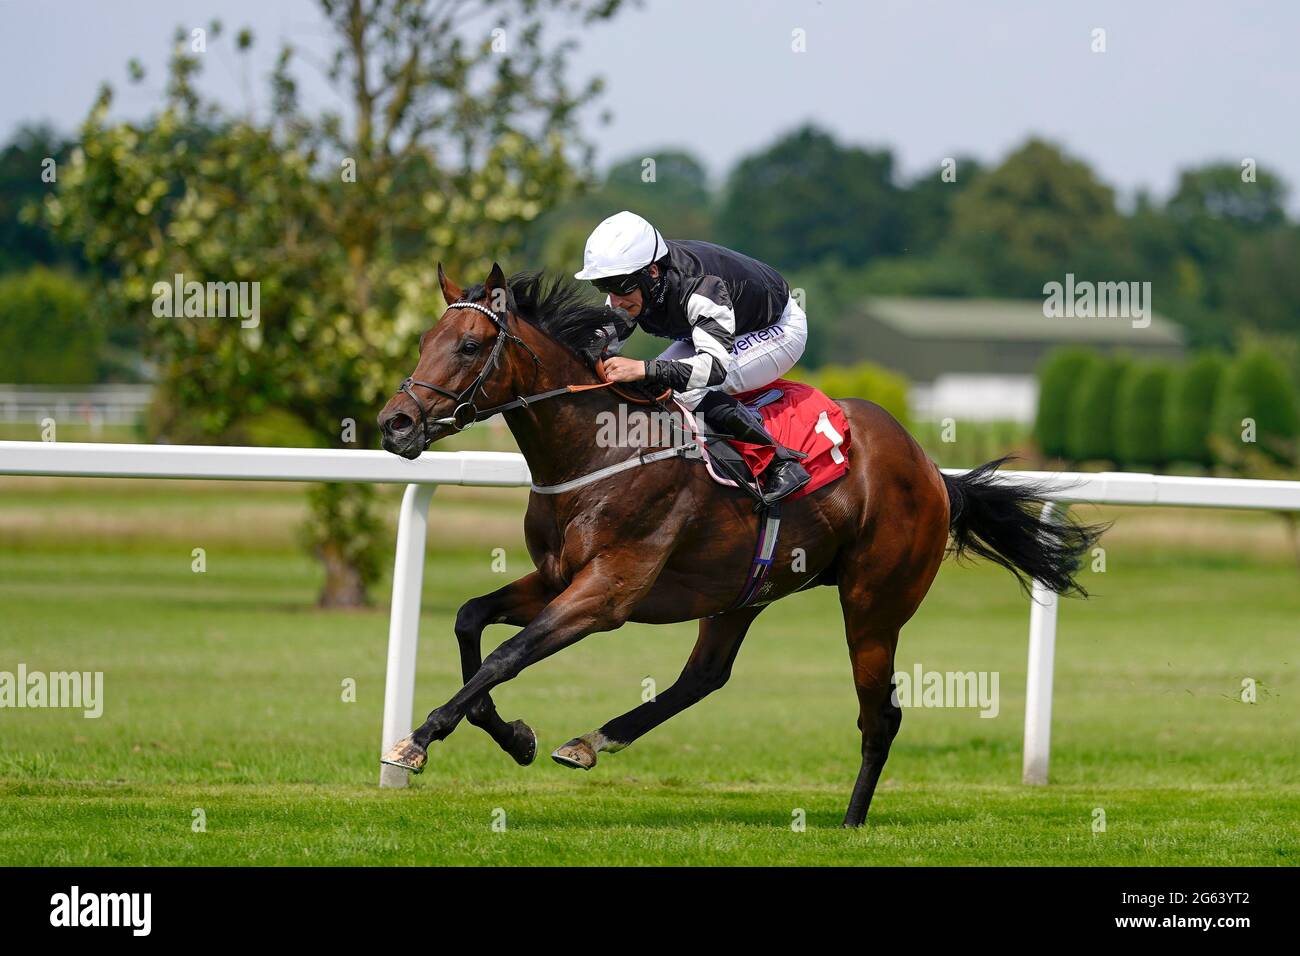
x: 804, y: 420
x: 800, y: 417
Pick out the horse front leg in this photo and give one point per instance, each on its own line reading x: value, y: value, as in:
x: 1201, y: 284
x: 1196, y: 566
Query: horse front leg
x: 586, y: 606
x: 517, y: 604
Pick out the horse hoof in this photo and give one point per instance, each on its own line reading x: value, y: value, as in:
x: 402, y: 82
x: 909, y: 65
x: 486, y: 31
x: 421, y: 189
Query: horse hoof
x: 407, y: 754
x: 524, y: 748
x: 576, y: 754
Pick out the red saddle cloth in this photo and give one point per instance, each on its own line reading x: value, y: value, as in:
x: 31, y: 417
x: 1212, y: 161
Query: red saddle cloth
x: 803, y: 419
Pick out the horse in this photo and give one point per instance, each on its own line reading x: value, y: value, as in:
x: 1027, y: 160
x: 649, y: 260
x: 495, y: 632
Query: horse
x: 663, y: 543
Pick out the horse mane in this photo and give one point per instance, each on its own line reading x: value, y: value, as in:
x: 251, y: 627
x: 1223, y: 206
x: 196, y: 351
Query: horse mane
x: 555, y: 305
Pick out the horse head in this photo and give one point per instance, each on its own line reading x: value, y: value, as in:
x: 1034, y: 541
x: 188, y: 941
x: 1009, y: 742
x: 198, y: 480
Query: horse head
x: 466, y: 367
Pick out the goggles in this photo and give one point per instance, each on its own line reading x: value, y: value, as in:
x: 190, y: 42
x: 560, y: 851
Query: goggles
x: 616, y: 285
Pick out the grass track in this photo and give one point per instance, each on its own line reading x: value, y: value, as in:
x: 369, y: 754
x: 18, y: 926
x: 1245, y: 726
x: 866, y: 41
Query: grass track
x: 223, y: 693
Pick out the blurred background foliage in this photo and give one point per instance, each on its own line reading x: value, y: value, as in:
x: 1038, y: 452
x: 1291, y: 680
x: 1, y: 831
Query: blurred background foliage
x: 41, y: 313
x: 1222, y: 253
x: 1231, y: 415
x: 445, y: 149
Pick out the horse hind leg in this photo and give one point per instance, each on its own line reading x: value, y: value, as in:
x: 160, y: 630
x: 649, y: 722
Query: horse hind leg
x: 878, y: 597
x: 706, y: 670
x: 871, y: 650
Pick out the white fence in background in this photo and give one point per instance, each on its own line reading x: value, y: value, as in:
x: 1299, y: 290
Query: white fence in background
x: 94, y: 405
x: 502, y: 469
x: 422, y: 476
x: 970, y: 397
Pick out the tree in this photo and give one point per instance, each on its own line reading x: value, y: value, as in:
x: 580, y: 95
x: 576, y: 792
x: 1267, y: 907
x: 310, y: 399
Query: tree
x: 673, y: 193
x: 29, y: 169
x: 806, y: 198
x: 927, y: 203
x: 1189, y: 409
x: 1058, y: 384
x: 1263, y: 286
x: 44, y: 336
x: 456, y: 136
x: 1256, y: 410
x: 937, y: 274
x: 1224, y: 193
x: 1216, y: 211
x: 1033, y: 218
x: 1092, y: 412
x: 1140, y: 416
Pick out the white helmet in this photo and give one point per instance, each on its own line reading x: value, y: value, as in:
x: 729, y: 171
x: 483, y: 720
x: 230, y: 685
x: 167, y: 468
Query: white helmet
x: 621, y: 245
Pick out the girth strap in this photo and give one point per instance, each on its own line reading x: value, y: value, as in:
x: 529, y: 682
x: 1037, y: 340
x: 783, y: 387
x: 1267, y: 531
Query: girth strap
x: 678, y: 451
x: 769, y: 532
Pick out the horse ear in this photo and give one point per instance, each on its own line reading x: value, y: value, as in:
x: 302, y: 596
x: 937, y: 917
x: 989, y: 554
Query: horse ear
x: 498, y: 294
x: 450, y: 291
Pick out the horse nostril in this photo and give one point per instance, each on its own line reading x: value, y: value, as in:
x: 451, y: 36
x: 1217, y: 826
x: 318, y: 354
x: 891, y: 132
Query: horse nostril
x: 399, y: 423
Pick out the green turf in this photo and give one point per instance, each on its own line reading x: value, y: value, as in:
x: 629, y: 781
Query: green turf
x: 224, y: 694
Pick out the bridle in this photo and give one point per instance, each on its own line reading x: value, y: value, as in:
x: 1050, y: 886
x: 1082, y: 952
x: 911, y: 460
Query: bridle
x: 466, y: 412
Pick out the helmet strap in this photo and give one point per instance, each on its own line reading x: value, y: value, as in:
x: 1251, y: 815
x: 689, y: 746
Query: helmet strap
x: 652, y: 289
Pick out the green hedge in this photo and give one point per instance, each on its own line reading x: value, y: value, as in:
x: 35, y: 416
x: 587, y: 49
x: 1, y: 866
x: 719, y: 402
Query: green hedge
x: 1189, y: 409
x: 1091, y: 435
x: 868, y: 380
x: 1140, y: 416
x: 1256, y: 386
x: 46, y: 336
x: 1058, y: 378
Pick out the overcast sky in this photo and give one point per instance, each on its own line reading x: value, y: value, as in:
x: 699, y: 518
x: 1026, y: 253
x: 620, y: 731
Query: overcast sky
x: 1181, y: 82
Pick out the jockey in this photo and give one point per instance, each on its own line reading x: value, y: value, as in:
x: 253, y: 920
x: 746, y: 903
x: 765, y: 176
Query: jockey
x: 734, y: 324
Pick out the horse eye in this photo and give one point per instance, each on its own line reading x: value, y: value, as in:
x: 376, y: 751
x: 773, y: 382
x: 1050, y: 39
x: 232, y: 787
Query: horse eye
x: 469, y: 347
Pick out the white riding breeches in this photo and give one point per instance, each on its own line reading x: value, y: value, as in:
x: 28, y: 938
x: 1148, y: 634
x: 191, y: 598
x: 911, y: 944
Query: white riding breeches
x: 756, y: 358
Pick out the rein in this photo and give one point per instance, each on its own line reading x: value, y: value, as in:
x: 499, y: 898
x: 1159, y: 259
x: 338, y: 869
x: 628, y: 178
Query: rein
x: 466, y: 413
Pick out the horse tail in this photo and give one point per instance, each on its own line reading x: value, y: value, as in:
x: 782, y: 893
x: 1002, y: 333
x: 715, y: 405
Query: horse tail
x: 1001, y: 521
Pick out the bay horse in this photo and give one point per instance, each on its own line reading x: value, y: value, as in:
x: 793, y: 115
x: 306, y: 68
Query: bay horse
x: 664, y: 543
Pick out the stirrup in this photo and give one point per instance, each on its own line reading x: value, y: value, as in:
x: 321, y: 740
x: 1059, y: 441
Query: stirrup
x: 767, y: 500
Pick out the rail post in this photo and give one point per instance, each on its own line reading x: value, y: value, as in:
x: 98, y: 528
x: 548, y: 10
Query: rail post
x: 404, y: 624
x: 1038, y: 682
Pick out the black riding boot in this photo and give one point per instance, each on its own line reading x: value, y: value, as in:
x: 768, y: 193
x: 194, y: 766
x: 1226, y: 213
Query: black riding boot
x: 724, y: 415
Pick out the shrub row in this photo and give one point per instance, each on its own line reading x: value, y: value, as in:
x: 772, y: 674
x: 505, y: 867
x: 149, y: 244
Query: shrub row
x: 1095, y: 407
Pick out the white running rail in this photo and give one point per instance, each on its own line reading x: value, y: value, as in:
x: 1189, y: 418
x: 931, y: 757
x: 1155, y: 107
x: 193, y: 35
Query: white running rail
x: 421, y: 477
x: 502, y: 469
x: 1113, y: 488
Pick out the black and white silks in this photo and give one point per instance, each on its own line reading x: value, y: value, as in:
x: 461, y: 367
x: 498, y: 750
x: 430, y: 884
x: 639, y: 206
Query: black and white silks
x: 707, y: 296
